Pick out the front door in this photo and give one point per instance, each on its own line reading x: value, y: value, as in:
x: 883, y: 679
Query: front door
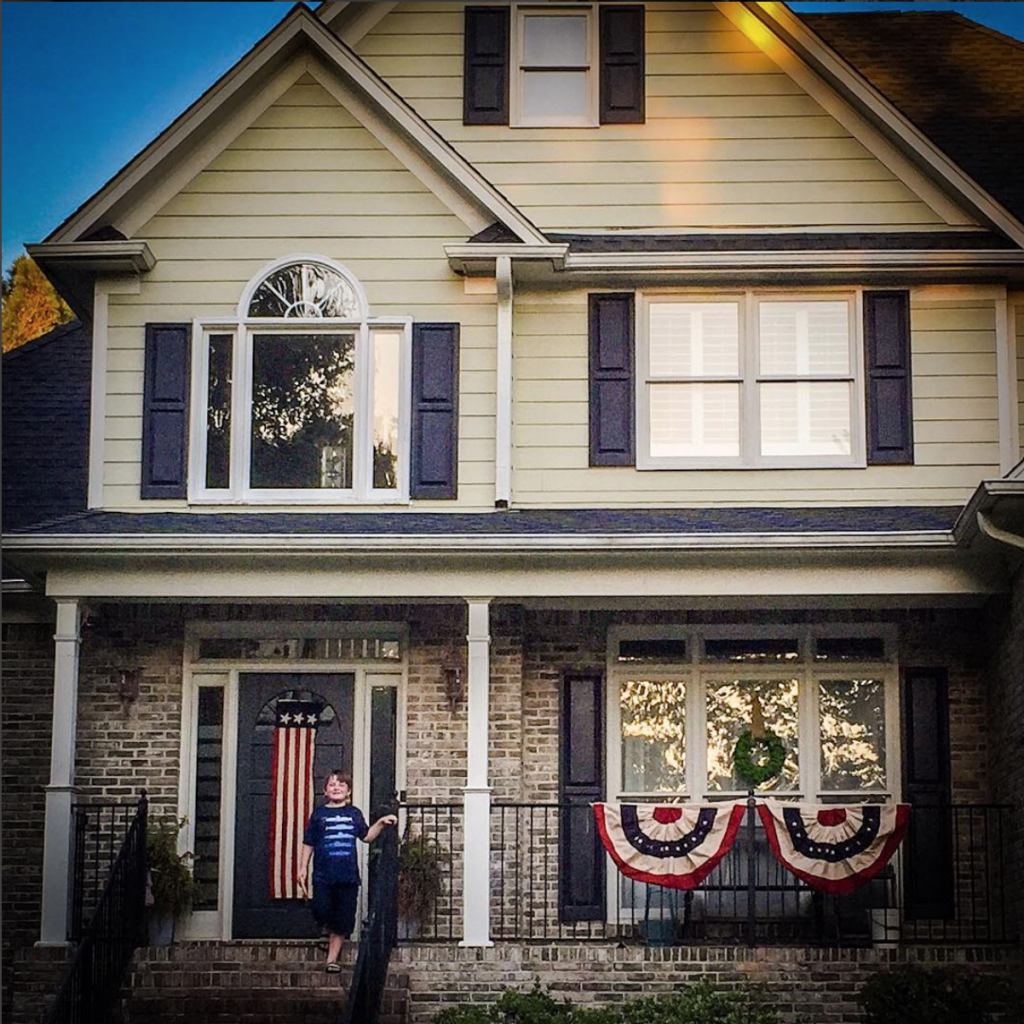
x: 256, y: 914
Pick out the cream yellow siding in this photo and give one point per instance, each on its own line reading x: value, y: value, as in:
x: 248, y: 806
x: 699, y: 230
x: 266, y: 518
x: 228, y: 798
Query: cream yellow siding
x: 306, y: 177
x: 955, y: 420
x: 730, y: 141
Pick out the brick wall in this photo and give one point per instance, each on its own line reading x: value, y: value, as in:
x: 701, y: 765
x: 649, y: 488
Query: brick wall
x: 27, y: 716
x: 1006, y: 724
x: 806, y: 985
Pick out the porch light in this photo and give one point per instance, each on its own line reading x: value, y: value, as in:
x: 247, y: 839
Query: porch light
x: 454, y: 691
x: 128, y: 684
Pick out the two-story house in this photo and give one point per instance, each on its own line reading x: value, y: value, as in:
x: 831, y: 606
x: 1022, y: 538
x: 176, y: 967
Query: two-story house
x: 542, y: 391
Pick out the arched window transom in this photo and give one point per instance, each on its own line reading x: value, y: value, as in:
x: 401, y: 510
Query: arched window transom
x: 305, y: 291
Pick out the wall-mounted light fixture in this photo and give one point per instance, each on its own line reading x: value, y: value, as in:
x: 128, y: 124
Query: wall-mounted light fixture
x: 128, y: 680
x: 451, y: 670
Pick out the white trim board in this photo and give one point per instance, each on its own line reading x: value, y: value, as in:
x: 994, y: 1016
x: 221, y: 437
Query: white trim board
x: 121, y: 199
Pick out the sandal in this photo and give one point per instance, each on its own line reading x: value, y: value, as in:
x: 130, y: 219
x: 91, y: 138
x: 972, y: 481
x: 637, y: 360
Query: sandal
x: 333, y: 967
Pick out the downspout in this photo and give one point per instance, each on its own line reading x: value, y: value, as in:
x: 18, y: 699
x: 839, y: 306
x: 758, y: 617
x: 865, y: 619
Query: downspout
x: 1000, y: 536
x: 503, y: 390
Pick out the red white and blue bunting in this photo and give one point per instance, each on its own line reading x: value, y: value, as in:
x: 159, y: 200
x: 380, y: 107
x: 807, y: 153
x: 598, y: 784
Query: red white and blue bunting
x: 832, y: 848
x: 676, y: 846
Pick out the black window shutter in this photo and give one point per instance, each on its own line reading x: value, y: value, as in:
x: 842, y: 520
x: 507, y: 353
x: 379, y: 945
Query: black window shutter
x: 928, y: 872
x: 889, y: 399
x: 435, y: 411
x: 581, y: 772
x: 486, y: 65
x: 622, y: 64
x: 165, y: 409
x: 612, y: 329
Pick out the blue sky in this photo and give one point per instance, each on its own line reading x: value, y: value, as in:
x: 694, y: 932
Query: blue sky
x: 85, y: 86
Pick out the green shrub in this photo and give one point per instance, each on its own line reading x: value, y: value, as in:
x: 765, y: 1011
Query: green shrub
x: 930, y: 995
x: 699, y: 1003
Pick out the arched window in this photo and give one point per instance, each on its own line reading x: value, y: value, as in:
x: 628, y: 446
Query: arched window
x: 302, y: 397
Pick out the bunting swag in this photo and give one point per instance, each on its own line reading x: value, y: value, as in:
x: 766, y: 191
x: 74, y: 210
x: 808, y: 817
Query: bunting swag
x: 291, y: 799
x: 834, y: 849
x: 676, y: 846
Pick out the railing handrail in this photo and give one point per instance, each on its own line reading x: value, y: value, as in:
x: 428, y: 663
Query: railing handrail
x: 97, y: 970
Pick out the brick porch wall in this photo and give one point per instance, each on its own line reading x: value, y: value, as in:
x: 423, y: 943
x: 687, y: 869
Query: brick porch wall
x: 1006, y: 723
x: 807, y: 985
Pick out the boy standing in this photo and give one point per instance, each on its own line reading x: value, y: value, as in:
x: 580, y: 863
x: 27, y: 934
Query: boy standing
x: 331, y: 834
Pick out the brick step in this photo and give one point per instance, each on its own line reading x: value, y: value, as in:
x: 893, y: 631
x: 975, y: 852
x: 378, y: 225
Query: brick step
x: 270, y: 982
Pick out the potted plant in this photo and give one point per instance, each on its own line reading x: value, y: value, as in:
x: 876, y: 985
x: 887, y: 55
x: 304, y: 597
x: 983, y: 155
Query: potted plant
x: 420, y: 881
x: 171, y: 886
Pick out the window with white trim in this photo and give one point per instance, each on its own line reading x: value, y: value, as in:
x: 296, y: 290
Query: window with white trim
x: 680, y: 700
x: 302, y: 397
x: 749, y: 380
x: 554, y: 72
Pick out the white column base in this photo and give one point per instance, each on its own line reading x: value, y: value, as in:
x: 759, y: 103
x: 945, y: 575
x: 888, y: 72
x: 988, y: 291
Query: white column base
x: 53, y: 930
x: 476, y: 878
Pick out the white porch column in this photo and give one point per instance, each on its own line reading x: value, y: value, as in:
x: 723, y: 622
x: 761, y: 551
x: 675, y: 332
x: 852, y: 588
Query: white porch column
x: 476, y: 901
x: 57, y: 835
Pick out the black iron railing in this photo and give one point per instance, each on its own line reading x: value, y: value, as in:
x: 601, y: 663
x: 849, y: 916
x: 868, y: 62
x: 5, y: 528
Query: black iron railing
x: 98, y: 832
x: 116, y: 927
x: 435, y: 831
x: 749, y: 897
x: 378, y: 937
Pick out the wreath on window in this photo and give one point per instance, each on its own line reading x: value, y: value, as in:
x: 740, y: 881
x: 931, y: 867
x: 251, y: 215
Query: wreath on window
x: 757, y: 759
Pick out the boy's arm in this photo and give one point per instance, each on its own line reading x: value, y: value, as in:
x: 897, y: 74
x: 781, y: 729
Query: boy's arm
x: 304, y: 859
x: 378, y: 826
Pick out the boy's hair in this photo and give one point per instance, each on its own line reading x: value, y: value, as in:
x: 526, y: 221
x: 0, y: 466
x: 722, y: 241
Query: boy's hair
x: 337, y: 773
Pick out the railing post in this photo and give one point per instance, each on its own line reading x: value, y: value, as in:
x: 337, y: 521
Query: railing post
x: 751, y: 867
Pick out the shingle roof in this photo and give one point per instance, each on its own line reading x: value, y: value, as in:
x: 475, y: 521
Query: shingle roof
x: 46, y: 386
x: 960, y: 83
x: 526, y: 522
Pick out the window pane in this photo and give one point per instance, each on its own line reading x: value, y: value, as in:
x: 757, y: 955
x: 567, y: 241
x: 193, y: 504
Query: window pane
x: 729, y: 709
x: 209, y: 761
x: 849, y: 648
x: 305, y: 290
x: 653, y: 735
x: 805, y: 418
x: 691, y: 339
x: 754, y: 651
x: 804, y: 338
x: 218, y: 412
x: 694, y: 420
x: 386, y: 352
x: 652, y: 650
x: 302, y: 410
x: 555, y: 95
x: 852, y: 733
x: 555, y: 42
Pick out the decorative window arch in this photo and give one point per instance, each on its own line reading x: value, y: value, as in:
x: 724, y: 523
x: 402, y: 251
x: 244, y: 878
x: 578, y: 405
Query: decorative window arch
x: 302, y: 396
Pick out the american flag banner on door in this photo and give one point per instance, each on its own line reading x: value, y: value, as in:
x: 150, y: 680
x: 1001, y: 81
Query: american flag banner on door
x: 291, y: 798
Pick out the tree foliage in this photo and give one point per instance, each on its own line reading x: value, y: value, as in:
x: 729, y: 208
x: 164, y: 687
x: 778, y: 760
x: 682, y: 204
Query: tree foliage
x: 31, y: 305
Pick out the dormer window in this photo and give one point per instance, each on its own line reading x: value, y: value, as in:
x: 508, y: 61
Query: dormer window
x: 302, y: 397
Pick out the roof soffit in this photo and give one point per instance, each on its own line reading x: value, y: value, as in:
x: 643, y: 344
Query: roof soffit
x: 299, y: 44
x: 875, y: 122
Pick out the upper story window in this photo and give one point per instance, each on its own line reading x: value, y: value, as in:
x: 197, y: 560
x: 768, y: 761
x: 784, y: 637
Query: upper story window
x: 555, y: 61
x: 303, y: 397
x: 749, y: 380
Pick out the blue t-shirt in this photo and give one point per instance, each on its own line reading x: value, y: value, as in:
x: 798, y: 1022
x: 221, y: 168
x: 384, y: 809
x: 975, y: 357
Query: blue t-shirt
x: 332, y: 832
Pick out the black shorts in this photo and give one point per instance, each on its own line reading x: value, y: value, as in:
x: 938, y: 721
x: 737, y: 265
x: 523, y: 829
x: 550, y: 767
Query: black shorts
x: 334, y: 906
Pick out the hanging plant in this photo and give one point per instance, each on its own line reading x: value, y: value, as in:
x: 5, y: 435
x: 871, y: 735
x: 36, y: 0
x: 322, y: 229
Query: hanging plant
x: 758, y: 759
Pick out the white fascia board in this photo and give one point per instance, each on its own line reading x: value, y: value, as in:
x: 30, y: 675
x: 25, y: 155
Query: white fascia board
x: 429, y: 544
x: 363, y: 18
x: 480, y: 259
x: 132, y: 255
x: 791, y: 32
x: 300, y: 25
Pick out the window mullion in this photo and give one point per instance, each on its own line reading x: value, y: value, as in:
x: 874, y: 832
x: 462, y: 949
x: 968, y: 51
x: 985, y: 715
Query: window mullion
x: 241, y: 412
x: 750, y: 420
x: 362, y: 422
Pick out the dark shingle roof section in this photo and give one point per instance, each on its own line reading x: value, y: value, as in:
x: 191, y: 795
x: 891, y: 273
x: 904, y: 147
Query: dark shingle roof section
x: 46, y: 388
x: 960, y: 83
x: 528, y: 522
x: 816, y: 242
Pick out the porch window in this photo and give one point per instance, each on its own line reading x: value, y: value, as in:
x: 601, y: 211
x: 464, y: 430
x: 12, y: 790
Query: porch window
x: 683, y: 698
x: 749, y: 380
x: 302, y: 396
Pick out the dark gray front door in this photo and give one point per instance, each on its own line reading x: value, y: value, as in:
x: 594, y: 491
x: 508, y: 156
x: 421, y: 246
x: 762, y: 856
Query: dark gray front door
x: 255, y: 914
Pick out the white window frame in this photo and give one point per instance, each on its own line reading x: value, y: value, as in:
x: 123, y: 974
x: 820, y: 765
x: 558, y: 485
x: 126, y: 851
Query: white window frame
x: 225, y: 674
x: 518, y: 117
x: 749, y: 379
x: 243, y: 328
